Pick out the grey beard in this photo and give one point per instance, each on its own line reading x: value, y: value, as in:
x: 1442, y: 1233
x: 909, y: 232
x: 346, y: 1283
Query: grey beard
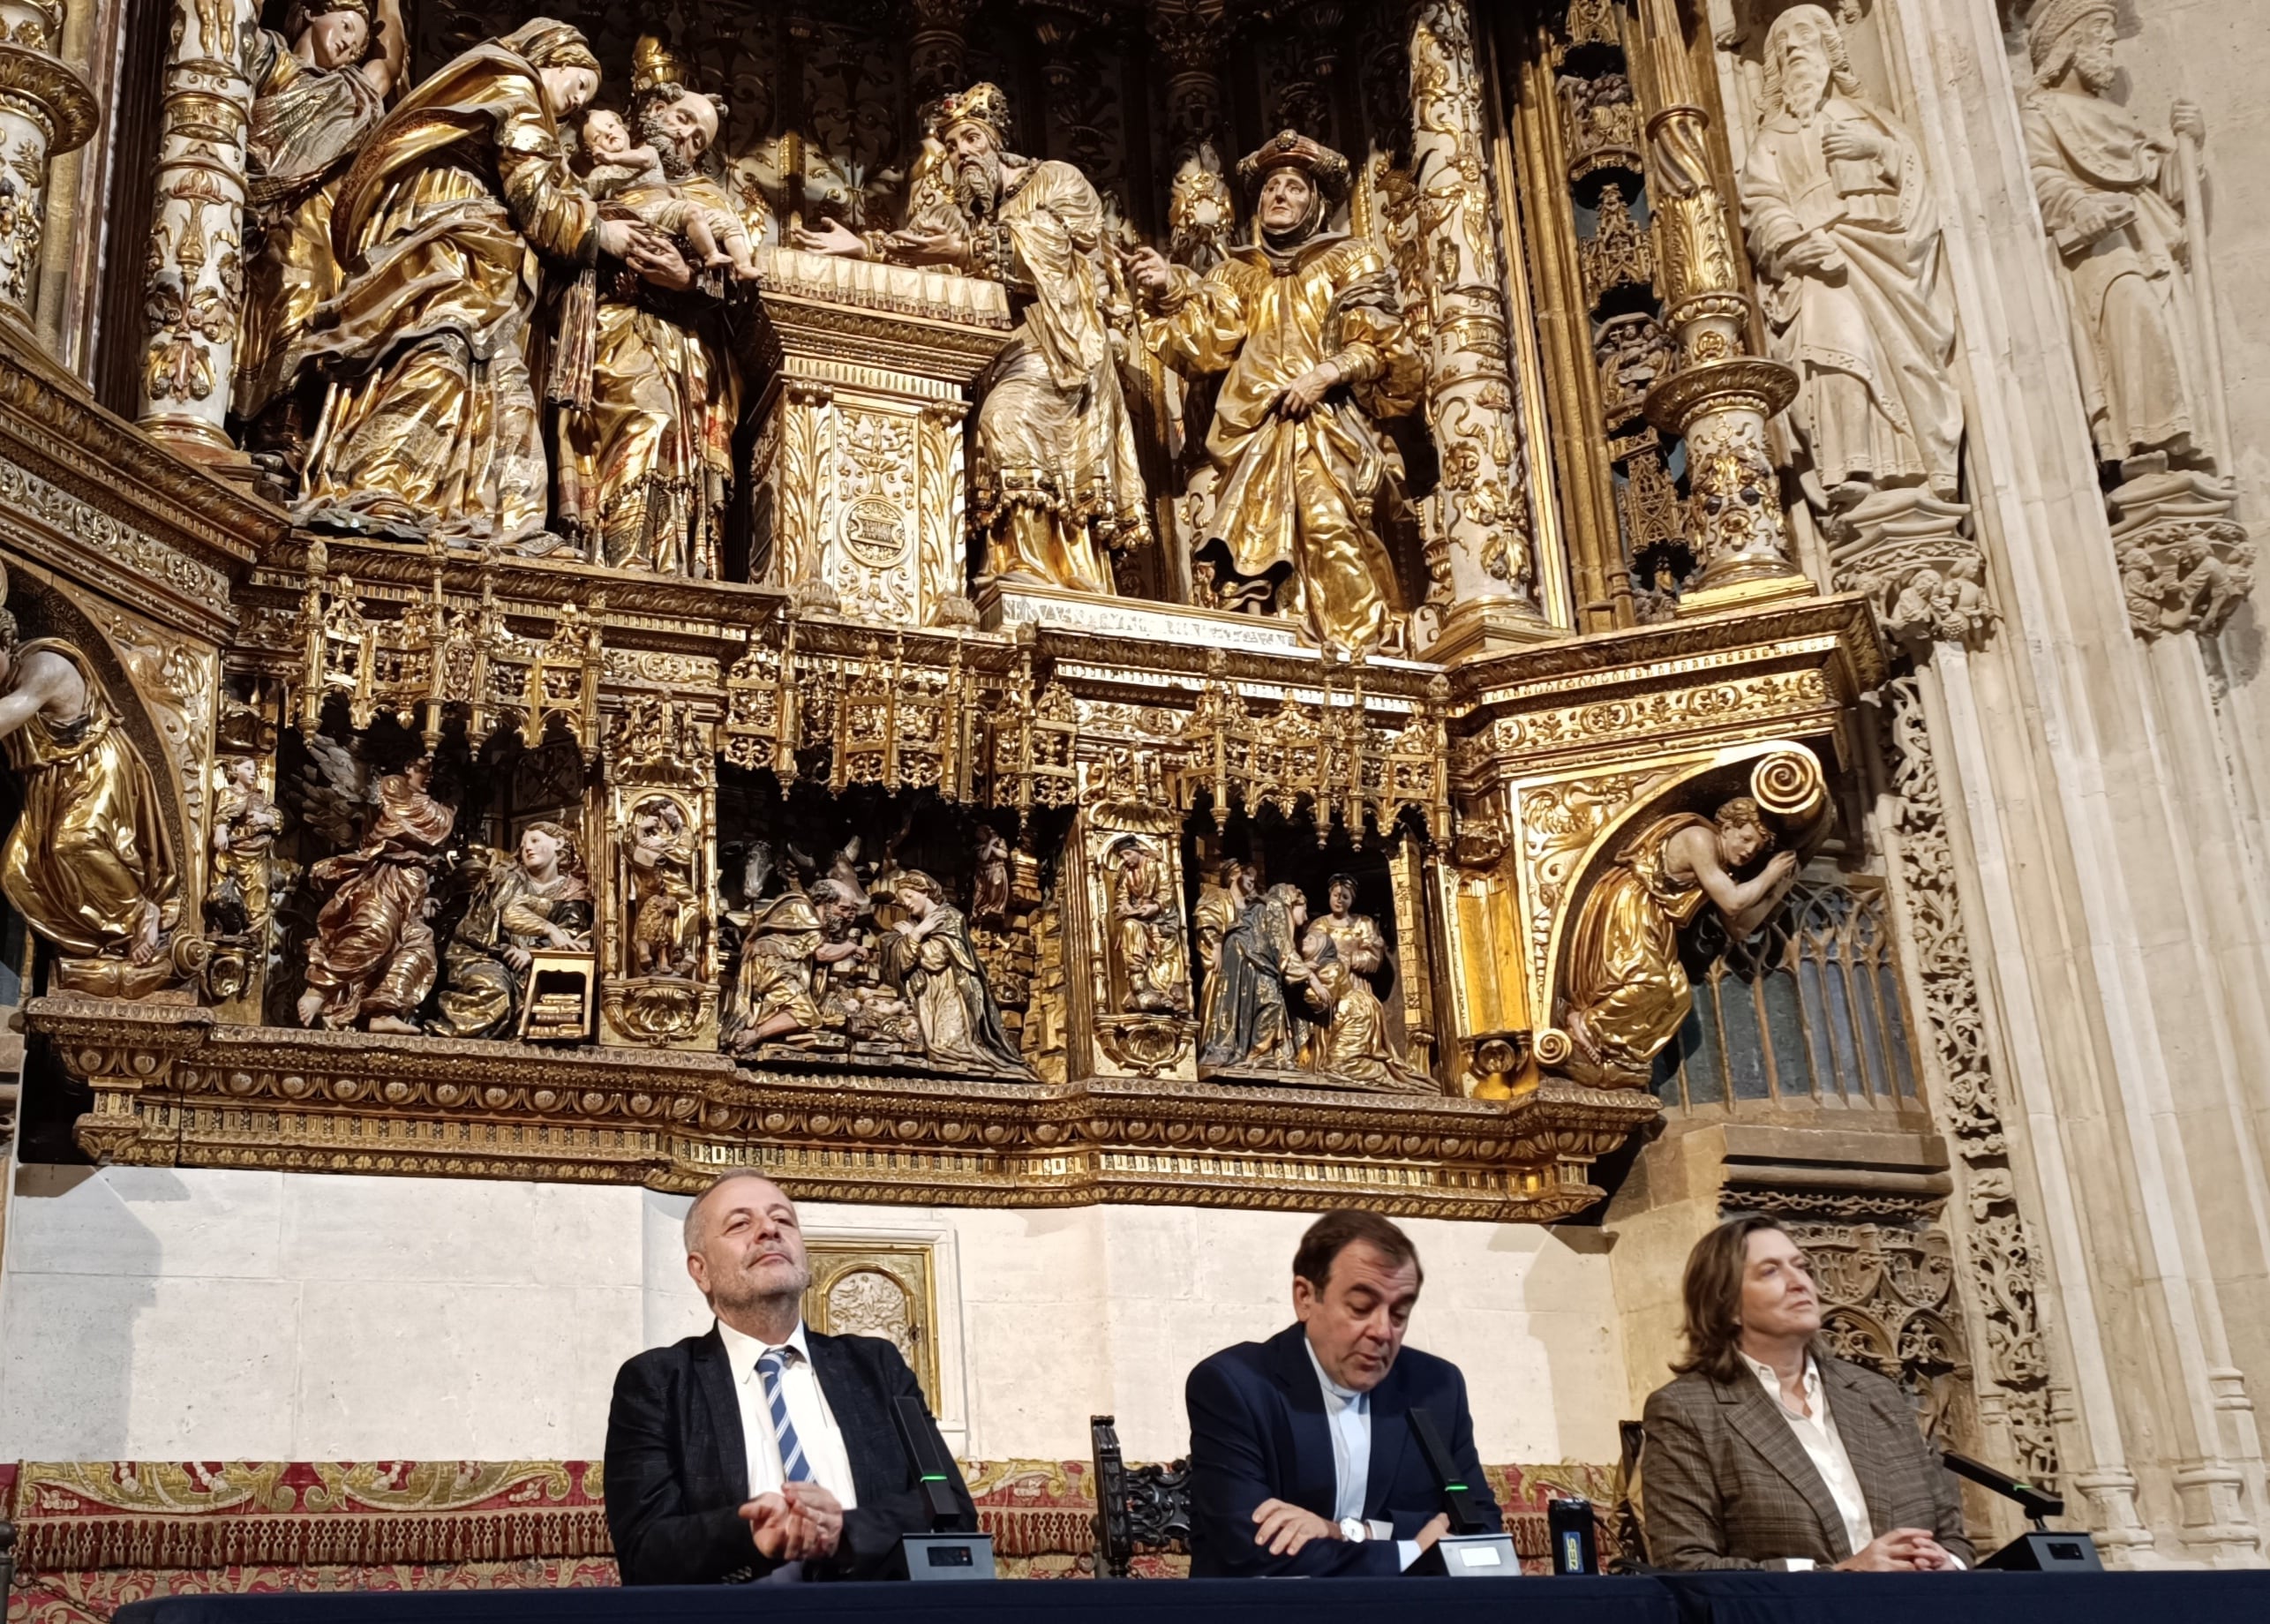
x: 677, y: 164
x: 977, y: 186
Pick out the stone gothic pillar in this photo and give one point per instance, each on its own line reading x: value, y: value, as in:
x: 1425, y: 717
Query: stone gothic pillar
x: 1484, y: 567
x: 196, y: 260
x: 937, y: 58
x: 46, y: 109
x: 1721, y: 394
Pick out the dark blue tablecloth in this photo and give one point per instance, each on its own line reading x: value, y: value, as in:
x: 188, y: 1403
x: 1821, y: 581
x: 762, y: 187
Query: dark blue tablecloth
x: 1671, y: 1598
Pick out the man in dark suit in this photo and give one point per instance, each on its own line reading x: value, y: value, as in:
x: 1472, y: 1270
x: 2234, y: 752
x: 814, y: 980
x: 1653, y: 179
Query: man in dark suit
x: 1769, y: 1452
x: 1302, y: 1459
x: 762, y: 1450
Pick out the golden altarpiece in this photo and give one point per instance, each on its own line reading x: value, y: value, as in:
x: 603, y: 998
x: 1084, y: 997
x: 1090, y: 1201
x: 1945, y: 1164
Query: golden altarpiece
x: 1011, y: 602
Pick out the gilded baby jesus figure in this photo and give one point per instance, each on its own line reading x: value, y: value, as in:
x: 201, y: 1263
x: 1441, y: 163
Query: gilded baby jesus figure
x: 629, y: 178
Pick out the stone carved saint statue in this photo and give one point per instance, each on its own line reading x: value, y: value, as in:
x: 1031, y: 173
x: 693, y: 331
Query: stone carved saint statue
x: 928, y: 955
x: 320, y: 89
x: 536, y: 898
x: 1057, y: 485
x: 1259, y: 987
x: 89, y: 864
x: 1846, y: 236
x: 1344, y: 951
x: 1627, y: 992
x: 645, y: 467
x: 1307, y: 327
x: 2112, y: 201
x: 432, y: 428
x: 372, y: 958
x: 1146, y: 919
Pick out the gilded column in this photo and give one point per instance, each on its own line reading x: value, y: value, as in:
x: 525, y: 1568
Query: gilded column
x: 196, y: 264
x: 45, y: 108
x: 1485, y: 564
x: 1721, y: 394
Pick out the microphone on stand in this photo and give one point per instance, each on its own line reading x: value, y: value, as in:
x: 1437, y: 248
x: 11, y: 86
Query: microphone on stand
x: 946, y: 1552
x: 1468, y: 1550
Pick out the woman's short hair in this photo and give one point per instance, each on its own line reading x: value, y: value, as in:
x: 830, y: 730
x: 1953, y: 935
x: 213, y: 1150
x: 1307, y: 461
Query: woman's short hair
x: 1712, y: 1293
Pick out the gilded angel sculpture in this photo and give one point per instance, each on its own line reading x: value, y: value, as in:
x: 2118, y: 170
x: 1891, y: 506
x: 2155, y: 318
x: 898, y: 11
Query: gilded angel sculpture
x: 537, y: 898
x: 1628, y: 991
x: 1057, y: 487
x: 432, y: 428
x: 1307, y: 326
x: 372, y: 959
x: 89, y: 864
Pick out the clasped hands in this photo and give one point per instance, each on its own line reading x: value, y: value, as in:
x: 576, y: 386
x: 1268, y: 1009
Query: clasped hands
x: 1281, y: 1527
x: 800, y: 1522
x: 1902, y: 1550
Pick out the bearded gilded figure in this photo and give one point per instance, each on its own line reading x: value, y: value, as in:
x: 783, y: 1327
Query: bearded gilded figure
x: 1057, y: 485
x: 1307, y: 327
x: 89, y: 864
x: 1628, y: 991
x: 319, y: 91
x: 1258, y: 988
x: 1344, y: 951
x: 442, y: 229
x: 1846, y: 236
x: 2112, y: 201
x: 536, y: 899
x: 372, y: 958
x: 646, y: 464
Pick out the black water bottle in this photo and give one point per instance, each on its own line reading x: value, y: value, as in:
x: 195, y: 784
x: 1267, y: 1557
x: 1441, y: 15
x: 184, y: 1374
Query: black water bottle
x: 1575, y: 1549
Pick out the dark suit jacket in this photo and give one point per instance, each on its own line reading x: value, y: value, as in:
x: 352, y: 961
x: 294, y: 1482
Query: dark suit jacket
x: 677, y: 1468
x: 1724, y: 1483
x: 1259, y: 1431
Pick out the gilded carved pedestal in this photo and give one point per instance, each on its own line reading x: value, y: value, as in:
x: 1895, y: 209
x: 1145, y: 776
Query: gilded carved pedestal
x: 859, y: 473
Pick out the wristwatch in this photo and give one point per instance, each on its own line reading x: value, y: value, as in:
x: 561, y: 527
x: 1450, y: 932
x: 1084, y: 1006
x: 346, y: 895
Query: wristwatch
x: 1354, y: 1529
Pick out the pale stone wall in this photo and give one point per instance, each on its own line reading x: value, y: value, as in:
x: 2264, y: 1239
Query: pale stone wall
x: 149, y: 1313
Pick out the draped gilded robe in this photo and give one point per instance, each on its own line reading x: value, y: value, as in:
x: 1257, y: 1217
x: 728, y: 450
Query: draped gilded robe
x: 374, y: 949
x: 1056, y: 484
x: 484, y: 994
x: 89, y: 853
x: 1353, y: 1042
x: 1296, y: 500
x: 306, y: 125
x: 1625, y: 978
x: 442, y: 226
x: 941, y: 977
x: 645, y: 472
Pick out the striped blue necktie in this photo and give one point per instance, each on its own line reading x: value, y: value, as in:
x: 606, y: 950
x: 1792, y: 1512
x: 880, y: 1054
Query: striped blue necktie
x: 794, y: 1467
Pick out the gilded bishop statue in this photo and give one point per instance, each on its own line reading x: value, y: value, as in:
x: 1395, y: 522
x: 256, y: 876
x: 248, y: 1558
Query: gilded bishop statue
x: 1305, y: 323
x: 1056, y: 487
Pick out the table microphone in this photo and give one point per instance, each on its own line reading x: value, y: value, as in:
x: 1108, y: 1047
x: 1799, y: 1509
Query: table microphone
x: 1470, y: 1550
x: 945, y: 1551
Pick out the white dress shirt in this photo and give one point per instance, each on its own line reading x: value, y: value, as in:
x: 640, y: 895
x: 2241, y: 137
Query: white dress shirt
x: 1817, y: 1433
x: 1347, y: 1414
x: 807, y: 1412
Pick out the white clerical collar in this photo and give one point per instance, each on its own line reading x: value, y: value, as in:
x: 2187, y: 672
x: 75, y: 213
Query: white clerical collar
x: 1346, y: 1395
x: 742, y: 1351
